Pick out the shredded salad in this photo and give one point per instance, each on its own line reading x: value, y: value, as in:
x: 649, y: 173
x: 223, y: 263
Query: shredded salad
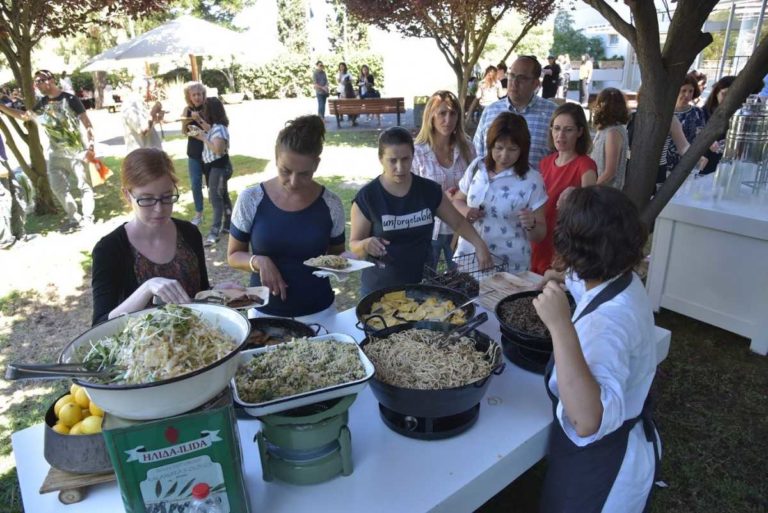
x: 168, y: 342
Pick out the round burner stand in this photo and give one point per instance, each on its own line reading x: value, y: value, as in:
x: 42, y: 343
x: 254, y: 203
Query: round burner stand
x: 429, y: 428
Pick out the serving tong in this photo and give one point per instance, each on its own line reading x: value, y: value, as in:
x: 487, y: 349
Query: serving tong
x: 473, y: 300
x: 57, y: 371
x: 452, y: 336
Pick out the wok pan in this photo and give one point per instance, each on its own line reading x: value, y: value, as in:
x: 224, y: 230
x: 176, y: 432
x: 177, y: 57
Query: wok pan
x: 171, y: 396
x: 419, y: 292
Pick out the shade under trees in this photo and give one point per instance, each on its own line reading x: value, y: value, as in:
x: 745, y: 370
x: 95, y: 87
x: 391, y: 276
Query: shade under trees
x: 460, y: 28
x: 22, y: 26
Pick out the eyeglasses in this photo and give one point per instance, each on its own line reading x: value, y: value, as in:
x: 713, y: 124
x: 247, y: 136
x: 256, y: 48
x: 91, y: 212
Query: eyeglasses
x: 567, y: 130
x: 518, y: 78
x: 151, y: 201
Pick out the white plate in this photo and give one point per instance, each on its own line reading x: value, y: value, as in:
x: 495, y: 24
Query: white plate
x: 354, y: 266
x: 305, y: 398
x: 261, y: 292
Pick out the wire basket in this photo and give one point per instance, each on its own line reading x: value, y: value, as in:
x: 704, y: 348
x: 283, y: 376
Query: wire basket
x: 464, y: 273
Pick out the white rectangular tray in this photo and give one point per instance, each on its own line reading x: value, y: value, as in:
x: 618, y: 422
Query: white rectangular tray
x: 305, y: 398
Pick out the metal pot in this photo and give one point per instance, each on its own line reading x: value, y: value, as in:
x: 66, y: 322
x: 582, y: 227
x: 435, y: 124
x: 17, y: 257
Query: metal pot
x: 418, y: 292
x: 281, y: 329
x: 526, y: 350
x: 78, y: 454
x: 434, y: 403
x: 170, y: 396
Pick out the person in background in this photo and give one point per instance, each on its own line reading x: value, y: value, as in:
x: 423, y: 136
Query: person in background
x: 66, y: 83
x: 565, y: 76
x: 345, y: 89
x: 691, y: 118
x: 501, y: 76
x: 521, y: 99
x: 60, y: 114
x: 153, y: 254
x: 603, y: 448
x: 320, y: 83
x: 217, y: 167
x: 487, y: 93
x: 568, y: 168
x: 610, y: 145
x: 139, y: 122
x: 194, y: 95
x: 701, y: 81
x: 585, y: 78
x: 551, y: 80
x: 393, y: 217
x: 366, y: 85
x: 442, y: 153
x: 503, y: 195
x: 287, y: 220
x: 716, y: 97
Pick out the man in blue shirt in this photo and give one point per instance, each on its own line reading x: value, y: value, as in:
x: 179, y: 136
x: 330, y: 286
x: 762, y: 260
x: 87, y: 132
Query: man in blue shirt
x: 523, y: 82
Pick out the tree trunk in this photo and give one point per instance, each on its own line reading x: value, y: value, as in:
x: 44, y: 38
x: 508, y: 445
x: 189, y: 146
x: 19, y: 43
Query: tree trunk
x: 38, y: 172
x: 99, y: 82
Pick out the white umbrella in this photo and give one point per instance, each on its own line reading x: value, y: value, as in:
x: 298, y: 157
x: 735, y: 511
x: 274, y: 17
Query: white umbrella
x: 182, y: 37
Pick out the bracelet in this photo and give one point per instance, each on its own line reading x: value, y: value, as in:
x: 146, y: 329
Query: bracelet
x: 250, y: 264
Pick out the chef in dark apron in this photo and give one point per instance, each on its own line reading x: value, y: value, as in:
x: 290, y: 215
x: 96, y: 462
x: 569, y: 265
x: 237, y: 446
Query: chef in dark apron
x: 603, y: 448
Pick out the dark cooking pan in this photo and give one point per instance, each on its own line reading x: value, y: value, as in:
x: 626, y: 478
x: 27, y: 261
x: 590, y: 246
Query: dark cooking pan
x: 434, y: 403
x: 281, y: 329
x: 526, y: 350
x: 419, y: 292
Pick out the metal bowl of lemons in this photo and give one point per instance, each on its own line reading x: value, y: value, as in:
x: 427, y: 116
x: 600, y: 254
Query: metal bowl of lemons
x: 73, y: 441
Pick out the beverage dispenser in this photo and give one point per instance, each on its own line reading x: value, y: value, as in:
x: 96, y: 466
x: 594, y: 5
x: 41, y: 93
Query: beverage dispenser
x: 743, y: 171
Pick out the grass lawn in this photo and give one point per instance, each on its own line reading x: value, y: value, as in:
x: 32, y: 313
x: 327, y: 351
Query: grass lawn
x: 712, y: 393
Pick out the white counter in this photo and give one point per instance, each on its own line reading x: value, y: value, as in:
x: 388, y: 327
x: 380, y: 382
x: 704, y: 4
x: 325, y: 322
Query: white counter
x: 391, y: 472
x: 710, y: 262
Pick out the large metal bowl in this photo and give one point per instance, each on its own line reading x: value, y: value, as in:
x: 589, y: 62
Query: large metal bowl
x: 172, y: 396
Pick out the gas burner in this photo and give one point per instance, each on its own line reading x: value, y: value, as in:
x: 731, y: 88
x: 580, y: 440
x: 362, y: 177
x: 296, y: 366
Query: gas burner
x: 307, y: 445
x: 429, y: 428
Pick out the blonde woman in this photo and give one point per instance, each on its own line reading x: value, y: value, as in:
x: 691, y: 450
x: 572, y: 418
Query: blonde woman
x: 487, y: 93
x: 442, y: 153
x: 191, y: 116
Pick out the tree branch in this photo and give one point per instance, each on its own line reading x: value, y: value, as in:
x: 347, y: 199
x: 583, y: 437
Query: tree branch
x: 623, y: 28
x: 746, y: 82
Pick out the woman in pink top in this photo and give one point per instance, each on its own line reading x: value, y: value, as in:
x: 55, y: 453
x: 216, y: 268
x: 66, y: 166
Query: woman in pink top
x: 442, y: 153
x: 567, y: 168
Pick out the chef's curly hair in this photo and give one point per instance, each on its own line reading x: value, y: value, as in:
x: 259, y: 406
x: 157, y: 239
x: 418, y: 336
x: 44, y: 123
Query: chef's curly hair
x: 599, y: 234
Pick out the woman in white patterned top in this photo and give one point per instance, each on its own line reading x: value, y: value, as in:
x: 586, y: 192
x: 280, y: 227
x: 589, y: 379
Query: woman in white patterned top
x: 503, y: 196
x: 442, y: 153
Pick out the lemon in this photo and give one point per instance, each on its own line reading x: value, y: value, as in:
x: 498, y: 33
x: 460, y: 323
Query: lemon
x: 91, y: 425
x: 60, y: 428
x: 95, y: 410
x: 70, y: 414
x: 86, y: 412
x: 76, y: 429
x: 81, y: 398
x: 74, y: 388
x: 69, y: 398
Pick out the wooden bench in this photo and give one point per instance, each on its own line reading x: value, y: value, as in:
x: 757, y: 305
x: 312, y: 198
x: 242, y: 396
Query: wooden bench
x: 352, y: 106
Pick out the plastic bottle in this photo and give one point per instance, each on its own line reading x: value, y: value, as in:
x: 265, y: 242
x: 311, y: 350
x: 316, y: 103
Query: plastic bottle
x: 202, y: 501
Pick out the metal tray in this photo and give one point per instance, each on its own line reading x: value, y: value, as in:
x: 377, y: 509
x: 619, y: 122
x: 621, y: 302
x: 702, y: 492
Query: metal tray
x: 305, y: 398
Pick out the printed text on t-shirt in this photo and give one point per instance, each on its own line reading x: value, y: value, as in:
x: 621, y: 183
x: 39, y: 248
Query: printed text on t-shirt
x: 390, y: 223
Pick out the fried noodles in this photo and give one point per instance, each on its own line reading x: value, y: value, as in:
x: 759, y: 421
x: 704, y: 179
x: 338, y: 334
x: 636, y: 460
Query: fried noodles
x: 414, y: 359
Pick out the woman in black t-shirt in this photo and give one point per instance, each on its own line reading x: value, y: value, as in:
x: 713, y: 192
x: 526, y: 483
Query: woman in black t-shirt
x: 393, y: 215
x: 194, y: 94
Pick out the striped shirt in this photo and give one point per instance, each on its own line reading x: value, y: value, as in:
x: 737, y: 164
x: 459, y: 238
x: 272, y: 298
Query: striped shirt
x: 216, y: 131
x: 537, y: 113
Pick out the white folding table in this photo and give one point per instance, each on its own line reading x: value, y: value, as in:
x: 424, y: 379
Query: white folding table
x: 391, y: 472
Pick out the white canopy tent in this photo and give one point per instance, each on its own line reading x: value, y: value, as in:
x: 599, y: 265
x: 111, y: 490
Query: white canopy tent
x: 184, y: 37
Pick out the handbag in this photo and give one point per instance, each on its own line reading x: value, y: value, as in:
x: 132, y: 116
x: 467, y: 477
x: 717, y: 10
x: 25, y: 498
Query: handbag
x: 98, y: 172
